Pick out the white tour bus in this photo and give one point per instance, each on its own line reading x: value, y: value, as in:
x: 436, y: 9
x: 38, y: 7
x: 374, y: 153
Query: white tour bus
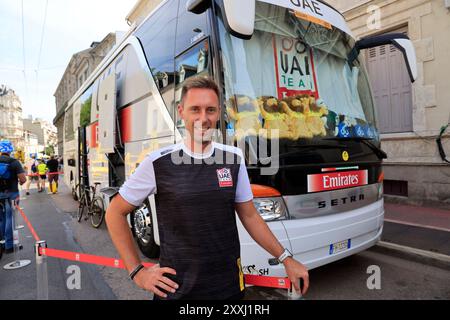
x: 289, y: 65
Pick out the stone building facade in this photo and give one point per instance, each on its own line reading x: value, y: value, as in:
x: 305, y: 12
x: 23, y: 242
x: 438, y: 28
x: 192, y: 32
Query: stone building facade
x: 414, y: 171
x: 32, y: 145
x: 11, y: 127
x: 44, y: 131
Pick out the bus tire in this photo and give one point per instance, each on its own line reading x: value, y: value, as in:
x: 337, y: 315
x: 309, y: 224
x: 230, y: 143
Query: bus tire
x: 142, y: 227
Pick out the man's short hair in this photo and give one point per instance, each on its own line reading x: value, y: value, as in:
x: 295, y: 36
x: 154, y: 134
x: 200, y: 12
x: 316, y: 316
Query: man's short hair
x: 199, y: 83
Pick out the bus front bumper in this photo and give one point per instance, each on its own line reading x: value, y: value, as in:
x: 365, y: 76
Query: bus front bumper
x: 316, y: 241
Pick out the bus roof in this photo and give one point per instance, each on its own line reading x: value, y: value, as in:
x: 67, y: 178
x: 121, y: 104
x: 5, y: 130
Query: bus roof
x: 315, y: 11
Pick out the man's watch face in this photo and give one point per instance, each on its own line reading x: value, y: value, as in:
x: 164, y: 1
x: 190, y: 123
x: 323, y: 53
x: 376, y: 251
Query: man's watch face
x: 289, y: 253
x: 286, y: 254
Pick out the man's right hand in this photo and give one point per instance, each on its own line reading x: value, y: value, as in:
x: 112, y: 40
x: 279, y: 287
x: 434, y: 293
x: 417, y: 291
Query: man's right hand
x: 153, y: 279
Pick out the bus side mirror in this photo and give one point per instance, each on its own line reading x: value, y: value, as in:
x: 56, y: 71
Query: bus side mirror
x: 197, y: 6
x: 399, y: 40
x: 238, y: 16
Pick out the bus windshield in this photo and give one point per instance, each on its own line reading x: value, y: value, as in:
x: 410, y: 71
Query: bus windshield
x: 294, y: 77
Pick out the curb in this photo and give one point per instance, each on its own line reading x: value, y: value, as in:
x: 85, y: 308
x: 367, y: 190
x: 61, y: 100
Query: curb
x: 422, y: 256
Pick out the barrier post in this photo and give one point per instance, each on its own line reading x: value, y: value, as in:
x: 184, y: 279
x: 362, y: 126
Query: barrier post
x: 41, y: 270
x: 292, y: 294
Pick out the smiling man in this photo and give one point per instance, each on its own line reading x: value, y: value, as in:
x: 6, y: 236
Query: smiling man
x: 196, y: 203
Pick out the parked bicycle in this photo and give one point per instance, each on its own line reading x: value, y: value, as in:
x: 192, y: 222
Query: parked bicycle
x: 75, y: 190
x: 91, y: 206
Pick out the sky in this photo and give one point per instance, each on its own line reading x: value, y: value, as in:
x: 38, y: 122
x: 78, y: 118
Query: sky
x: 35, y: 50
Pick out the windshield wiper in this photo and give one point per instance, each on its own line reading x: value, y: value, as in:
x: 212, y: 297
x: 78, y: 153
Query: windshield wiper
x: 311, y: 147
x: 302, y: 148
x: 367, y: 141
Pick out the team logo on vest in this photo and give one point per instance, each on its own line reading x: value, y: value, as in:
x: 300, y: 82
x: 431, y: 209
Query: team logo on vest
x: 224, y: 176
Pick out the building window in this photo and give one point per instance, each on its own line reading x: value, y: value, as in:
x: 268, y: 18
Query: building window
x: 396, y: 188
x: 392, y: 89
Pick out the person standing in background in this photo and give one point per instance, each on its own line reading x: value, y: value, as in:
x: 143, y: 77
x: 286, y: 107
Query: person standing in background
x: 11, y: 172
x: 31, y: 167
x: 42, y: 171
x: 52, y: 166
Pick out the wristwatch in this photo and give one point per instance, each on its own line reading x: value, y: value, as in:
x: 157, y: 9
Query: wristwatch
x: 136, y: 270
x: 286, y: 254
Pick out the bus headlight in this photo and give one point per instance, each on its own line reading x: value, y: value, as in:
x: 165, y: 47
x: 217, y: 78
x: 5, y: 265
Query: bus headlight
x: 271, y: 209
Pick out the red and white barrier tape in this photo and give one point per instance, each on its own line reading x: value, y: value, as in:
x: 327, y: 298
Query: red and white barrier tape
x: 30, y: 226
x: 47, y: 173
x: 260, y: 281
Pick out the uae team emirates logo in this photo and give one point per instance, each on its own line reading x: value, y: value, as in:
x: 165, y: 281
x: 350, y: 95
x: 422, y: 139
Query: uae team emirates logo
x: 337, y: 180
x: 224, y: 177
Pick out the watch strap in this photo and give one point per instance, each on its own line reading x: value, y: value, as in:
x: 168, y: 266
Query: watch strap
x: 136, y: 270
x: 286, y: 254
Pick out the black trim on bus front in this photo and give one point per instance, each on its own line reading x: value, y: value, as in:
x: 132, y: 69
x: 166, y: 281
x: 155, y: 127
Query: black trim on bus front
x: 380, y: 40
x: 403, y: 51
x: 217, y: 65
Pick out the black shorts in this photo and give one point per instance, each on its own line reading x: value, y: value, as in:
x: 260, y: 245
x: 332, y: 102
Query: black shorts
x: 43, y: 176
x: 52, y: 177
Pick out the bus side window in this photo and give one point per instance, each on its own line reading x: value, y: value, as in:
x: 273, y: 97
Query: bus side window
x: 85, y: 111
x: 191, y: 28
x: 157, y: 36
x: 194, y: 62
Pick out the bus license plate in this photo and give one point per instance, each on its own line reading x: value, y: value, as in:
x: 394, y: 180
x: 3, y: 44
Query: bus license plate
x: 340, y: 246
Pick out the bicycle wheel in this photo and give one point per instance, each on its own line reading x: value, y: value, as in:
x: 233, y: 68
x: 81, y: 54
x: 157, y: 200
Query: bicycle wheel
x: 75, y: 192
x: 82, y: 207
x: 97, y: 212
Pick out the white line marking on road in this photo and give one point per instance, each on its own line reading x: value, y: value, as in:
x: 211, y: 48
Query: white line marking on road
x: 420, y: 252
x: 417, y: 225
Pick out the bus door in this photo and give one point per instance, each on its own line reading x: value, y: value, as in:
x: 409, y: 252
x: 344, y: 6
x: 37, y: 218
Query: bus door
x: 108, y: 131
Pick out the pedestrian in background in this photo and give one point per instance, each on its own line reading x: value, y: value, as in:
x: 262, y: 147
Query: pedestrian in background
x: 11, y: 172
x: 31, y: 167
x: 61, y: 163
x: 52, y: 166
x: 42, y: 171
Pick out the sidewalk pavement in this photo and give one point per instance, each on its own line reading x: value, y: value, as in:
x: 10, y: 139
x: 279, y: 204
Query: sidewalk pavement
x: 417, y: 227
x: 52, y: 225
x: 424, y: 217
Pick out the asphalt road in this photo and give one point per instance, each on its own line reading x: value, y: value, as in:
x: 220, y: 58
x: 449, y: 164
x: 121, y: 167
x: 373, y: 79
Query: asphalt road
x: 417, y: 237
x: 52, y: 218
x: 54, y: 226
x: 347, y: 279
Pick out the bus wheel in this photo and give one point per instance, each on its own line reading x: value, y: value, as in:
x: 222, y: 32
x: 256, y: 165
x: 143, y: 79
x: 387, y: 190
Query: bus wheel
x: 141, y: 224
